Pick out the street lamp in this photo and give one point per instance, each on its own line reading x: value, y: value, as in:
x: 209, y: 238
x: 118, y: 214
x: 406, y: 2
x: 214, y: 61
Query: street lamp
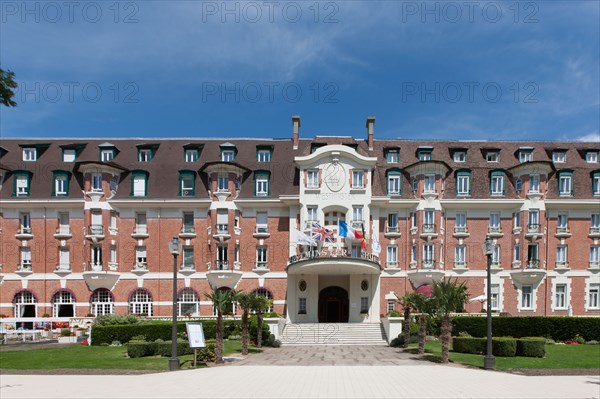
x: 175, y: 249
x: 489, y: 361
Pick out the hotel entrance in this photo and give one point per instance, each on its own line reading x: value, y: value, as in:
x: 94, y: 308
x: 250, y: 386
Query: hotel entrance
x: 333, y: 305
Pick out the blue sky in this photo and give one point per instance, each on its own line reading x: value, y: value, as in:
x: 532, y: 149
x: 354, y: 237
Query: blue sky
x: 432, y: 70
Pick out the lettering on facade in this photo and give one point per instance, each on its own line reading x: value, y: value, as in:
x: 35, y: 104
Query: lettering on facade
x: 331, y: 252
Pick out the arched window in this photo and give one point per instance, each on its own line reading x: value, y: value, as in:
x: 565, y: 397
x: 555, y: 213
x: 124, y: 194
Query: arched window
x: 140, y: 302
x: 63, y: 304
x: 188, y: 302
x: 25, y: 304
x: 267, y: 294
x: 102, y: 302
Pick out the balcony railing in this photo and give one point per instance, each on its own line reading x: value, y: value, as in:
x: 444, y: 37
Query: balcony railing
x: 392, y: 264
x: 428, y: 228
x: 187, y: 267
x: 428, y: 263
x: 222, y: 229
x: 533, y: 228
x: 494, y: 230
x: 261, y: 229
x: 222, y: 264
x: 357, y: 224
x: 563, y: 230
x: 188, y: 230
x: 460, y: 230
x: 24, y: 231
x: 533, y: 264
x: 140, y: 231
x: 460, y: 264
x: 96, y: 230
x: 63, y: 230
x: 94, y: 267
x: 594, y: 264
x: 24, y: 267
x: 140, y: 266
x: 63, y: 267
x: 595, y: 231
x: 262, y: 265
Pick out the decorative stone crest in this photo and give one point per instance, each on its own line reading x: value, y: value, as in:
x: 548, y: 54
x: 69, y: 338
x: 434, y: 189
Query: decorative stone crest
x: 335, y: 176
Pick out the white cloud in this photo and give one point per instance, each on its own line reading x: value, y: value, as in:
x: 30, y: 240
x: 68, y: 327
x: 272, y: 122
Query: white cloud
x: 590, y: 137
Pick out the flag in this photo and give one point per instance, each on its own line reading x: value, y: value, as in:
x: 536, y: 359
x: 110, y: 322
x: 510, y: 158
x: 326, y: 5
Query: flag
x: 303, y: 239
x: 349, y: 232
x: 363, y: 244
x: 375, y: 245
x: 320, y: 233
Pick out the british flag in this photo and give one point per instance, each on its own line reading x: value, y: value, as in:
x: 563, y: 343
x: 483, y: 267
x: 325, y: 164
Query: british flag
x: 320, y: 233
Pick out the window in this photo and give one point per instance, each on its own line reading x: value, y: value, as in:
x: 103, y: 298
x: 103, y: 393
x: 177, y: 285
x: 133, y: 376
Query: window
x: 29, y: 154
x: 561, y: 255
x: 413, y: 254
x: 311, y: 213
x: 562, y: 223
x: 107, y: 155
x: 565, y: 185
x: 141, y: 259
x: 144, y: 155
x: 526, y: 297
x: 96, y: 257
x: 595, y: 223
x: 188, y: 223
x: 113, y: 220
x: 497, y: 183
x: 355, y: 251
x: 392, y: 156
x: 428, y: 255
x: 392, y: 223
x: 415, y: 184
x: 187, y: 183
x: 188, y: 258
x: 141, y: 226
x: 69, y: 155
x: 140, y: 302
x: 534, y: 183
x: 559, y: 157
x: 495, y: 298
x: 495, y: 222
x: 191, y: 155
x: 392, y: 255
x: 312, y: 179
x: 263, y: 155
x: 424, y: 156
x: 596, y: 184
x: 391, y: 305
x: 525, y: 156
x: 63, y: 304
x: 357, y: 213
x: 96, y: 182
x: 560, y: 296
x: 533, y: 260
x: 463, y: 183
x: 461, y: 222
x: 266, y: 294
x: 223, y: 183
x: 301, y: 305
x: 429, y: 183
x: 593, y: 294
x: 460, y: 255
x: 413, y: 220
x: 516, y: 252
x: 25, y: 304
x: 113, y: 255
x: 518, y: 185
x: 63, y: 223
x: 459, y: 156
x: 534, y: 221
x: 25, y: 223
x: 496, y: 255
x: 364, y: 305
x: 262, y: 185
x: 393, y: 184
x: 61, y: 184
x: 188, y: 302
x: 261, y: 257
x: 358, y: 179
x: 429, y: 220
x: 25, y: 258
x: 222, y: 263
x: 517, y: 220
x: 262, y: 225
x: 591, y: 157
x: 492, y: 157
x: 594, y: 255
x: 22, y: 184
x: 227, y: 155
x: 139, y: 185
x: 222, y: 221
x: 102, y: 302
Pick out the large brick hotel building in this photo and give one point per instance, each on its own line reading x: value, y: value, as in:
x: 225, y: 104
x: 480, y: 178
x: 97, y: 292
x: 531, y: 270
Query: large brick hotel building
x: 85, y: 224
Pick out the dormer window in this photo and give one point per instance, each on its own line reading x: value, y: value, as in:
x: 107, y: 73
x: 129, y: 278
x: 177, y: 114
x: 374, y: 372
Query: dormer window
x: 591, y: 157
x: 61, y: 183
x: 565, y: 183
x: 392, y: 155
x: 187, y: 183
x: 525, y: 155
x: 264, y: 153
x: 139, y: 183
x: 144, y: 155
x: 29, y: 154
x: 492, y: 156
x: 107, y: 155
x: 227, y: 156
x: 424, y: 155
x: 459, y: 156
x: 69, y: 155
x: 191, y: 155
x: 559, y: 157
x: 22, y: 183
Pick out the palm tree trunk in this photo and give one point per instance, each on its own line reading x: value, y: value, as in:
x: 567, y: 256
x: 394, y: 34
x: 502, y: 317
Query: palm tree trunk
x: 259, y: 329
x: 422, y: 332
x: 446, y: 327
x: 406, y: 327
x: 219, y: 337
x: 245, y: 333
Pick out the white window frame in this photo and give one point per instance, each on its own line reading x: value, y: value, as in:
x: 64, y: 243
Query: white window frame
x: 593, y: 297
x: 140, y: 302
x: 594, y: 255
x: 534, y: 183
x: 95, y: 179
x: 188, y: 300
x: 191, y: 155
x: 29, y: 154
x: 358, y: 178
x: 60, y: 185
x: 497, y: 185
x: 223, y: 183
x: 357, y: 213
x: 463, y: 185
x: 591, y: 157
x: 392, y: 255
x: 565, y: 185
x: 562, y: 221
x: 139, y: 185
x: 559, y: 157
x: 263, y: 156
x: 460, y: 254
x: 392, y: 156
x: 425, y: 156
x: 492, y: 157
x: 144, y: 155
x: 312, y: 213
x: 69, y: 155
x: 525, y: 156
x: 459, y: 156
x: 429, y: 183
x: 262, y: 186
x: 107, y: 155
x: 460, y: 223
x: 561, y: 254
x: 102, y: 303
x: 22, y: 185
x: 526, y: 299
x: 393, y: 185
x: 227, y: 155
x: 561, y: 300
x: 495, y: 221
x: 185, y: 188
x: 495, y: 297
x: 312, y: 178
x: 262, y: 257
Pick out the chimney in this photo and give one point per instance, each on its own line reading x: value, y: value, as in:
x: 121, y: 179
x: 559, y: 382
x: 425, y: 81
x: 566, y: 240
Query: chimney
x: 296, y: 126
x: 370, y: 131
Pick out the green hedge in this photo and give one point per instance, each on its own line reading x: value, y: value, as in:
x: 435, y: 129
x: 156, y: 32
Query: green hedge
x: 162, y: 348
x: 531, y: 347
x: 501, y: 346
x: 557, y: 328
x: 162, y: 330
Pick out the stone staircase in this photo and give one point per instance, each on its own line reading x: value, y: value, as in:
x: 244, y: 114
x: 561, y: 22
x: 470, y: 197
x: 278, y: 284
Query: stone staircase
x: 310, y: 334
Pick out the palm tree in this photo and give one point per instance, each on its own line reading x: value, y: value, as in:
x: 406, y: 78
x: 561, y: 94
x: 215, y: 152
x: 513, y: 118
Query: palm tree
x: 408, y: 303
x: 245, y: 301
x: 260, y: 304
x: 222, y: 302
x: 448, y: 296
x: 422, y: 304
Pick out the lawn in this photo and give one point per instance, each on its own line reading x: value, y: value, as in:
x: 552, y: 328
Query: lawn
x: 557, y: 357
x: 94, y: 357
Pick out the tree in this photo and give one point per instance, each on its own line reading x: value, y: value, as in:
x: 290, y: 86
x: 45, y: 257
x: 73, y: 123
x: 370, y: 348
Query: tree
x: 7, y: 84
x: 260, y: 304
x: 448, y: 296
x: 408, y: 304
x: 423, y: 305
x: 245, y: 301
x: 222, y: 301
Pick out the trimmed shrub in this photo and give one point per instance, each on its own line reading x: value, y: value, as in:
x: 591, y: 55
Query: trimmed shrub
x: 468, y: 345
x: 557, y: 328
x: 144, y: 348
x: 531, y: 347
x: 137, y: 349
x: 112, y: 319
x: 393, y: 313
x: 253, y: 328
x: 504, y: 347
x: 207, y: 354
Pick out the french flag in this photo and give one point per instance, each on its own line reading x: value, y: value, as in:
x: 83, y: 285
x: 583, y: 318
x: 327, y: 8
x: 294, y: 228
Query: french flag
x: 349, y: 232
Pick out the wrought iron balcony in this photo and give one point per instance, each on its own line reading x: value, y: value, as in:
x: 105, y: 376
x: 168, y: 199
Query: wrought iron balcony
x: 533, y: 228
x: 428, y: 228
x: 96, y: 230
x: 594, y: 231
x: 94, y: 267
x: 262, y: 265
x: 222, y: 264
x: 563, y: 231
x: 140, y: 266
x: 261, y: 231
x: 428, y: 263
x: 24, y: 266
x: 187, y: 267
x: 494, y: 231
x: 222, y: 229
x: 63, y: 267
x: 533, y: 264
x: 461, y: 231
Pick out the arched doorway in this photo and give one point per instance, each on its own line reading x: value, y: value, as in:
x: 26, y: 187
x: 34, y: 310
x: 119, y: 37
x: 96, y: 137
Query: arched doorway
x: 333, y: 305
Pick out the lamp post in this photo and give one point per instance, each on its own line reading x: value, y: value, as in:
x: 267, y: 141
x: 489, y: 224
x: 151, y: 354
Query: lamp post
x: 175, y: 249
x: 489, y: 361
